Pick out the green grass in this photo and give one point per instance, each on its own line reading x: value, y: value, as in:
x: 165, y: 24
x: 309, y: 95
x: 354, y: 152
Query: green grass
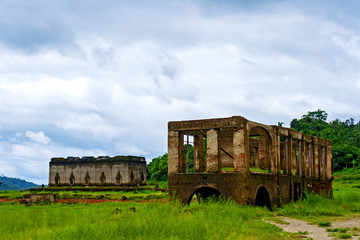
x: 132, y: 195
x: 259, y: 170
x: 224, y: 220
x: 317, y: 209
x: 324, y: 224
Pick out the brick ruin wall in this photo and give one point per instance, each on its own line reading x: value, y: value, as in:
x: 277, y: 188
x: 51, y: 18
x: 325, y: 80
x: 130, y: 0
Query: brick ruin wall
x: 100, y: 171
x: 247, y: 161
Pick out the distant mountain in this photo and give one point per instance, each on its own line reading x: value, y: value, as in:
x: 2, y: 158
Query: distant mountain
x: 9, y: 183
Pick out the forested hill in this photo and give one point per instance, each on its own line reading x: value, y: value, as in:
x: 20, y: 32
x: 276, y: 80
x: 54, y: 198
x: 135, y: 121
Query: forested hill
x: 15, y: 184
x: 345, y: 136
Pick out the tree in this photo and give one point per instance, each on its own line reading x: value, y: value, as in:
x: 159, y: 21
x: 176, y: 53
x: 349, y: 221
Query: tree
x: 158, y: 168
x: 345, y: 136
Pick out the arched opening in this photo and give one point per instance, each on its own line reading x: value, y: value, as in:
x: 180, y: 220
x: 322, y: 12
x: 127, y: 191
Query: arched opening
x: 118, y: 178
x: 260, y: 150
x: 131, y: 177
x: 87, y: 178
x: 205, y: 194
x: 72, y: 179
x: 57, y: 179
x: 102, y: 178
x: 263, y: 198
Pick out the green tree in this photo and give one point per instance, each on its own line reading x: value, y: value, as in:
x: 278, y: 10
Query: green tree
x: 157, y: 169
x: 345, y: 136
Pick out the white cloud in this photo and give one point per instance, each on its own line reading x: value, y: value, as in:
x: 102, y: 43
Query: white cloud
x: 38, y: 137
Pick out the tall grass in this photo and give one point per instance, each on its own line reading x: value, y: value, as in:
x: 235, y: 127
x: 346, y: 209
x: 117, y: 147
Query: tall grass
x: 224, y: 220
x: 346, y: 199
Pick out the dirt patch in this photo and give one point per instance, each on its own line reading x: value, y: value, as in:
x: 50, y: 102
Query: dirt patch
x: 313, y: 231
x: 9, y: 200
x: 347, y: 223
x: 87, y: 200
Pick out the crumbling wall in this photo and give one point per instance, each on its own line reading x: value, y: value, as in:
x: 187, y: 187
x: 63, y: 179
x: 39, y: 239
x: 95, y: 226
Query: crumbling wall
x: 265, y: 165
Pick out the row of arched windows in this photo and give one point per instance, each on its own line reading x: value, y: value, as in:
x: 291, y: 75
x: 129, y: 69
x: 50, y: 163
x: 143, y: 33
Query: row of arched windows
x: 102, y: 178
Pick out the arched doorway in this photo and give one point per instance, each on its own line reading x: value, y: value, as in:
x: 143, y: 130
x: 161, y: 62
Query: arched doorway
x: 260, y: 150
x: 263, y: 198
x: 205, y: 194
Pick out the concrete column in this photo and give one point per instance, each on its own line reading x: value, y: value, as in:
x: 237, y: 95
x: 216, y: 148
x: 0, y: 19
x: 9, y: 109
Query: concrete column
x: 323, y: 162
x: 288, y: 154
x: 275, y: 156
x: 199, y: 161
x: 310, y: 159
x: 174, y: 147
x: 263, y: 160
x: 329, y: 162
x: 212, y: 151
x: 278, y: 153
x: 300, y: 158
x: 240, y: 150
x: 293, y: 159
x: 316, y: 157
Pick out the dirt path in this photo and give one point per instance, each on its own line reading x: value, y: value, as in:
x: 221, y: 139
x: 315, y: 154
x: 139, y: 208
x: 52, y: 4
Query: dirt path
x: 315, y: 232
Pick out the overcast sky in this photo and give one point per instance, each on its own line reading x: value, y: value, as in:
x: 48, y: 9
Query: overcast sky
x: 90, y: 78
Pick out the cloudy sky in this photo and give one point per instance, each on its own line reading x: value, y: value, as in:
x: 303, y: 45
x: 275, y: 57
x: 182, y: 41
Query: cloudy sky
x: 90, y: 78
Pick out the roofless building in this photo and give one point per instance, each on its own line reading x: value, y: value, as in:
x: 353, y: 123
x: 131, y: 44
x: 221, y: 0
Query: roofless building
x: 250, y: 162
x: 100, y: 171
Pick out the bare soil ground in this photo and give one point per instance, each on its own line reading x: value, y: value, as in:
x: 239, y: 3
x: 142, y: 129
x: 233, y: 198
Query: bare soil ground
x: 313, y: 231
x: 85, y: 200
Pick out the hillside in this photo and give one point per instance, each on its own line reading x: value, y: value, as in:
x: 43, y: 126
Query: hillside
x: 15, y: 184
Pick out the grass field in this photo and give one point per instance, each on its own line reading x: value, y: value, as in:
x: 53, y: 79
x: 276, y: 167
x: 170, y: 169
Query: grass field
x: 159, y: 220
x: 224, y: 220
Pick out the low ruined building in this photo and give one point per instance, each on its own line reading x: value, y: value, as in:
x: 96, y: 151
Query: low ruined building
x: 100, y: 171
x: 250, y: 162
x: 38, y: 197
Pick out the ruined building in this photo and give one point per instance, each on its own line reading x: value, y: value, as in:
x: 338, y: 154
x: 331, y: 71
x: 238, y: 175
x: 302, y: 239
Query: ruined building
x: 250, y: 162
x: 100, y: 171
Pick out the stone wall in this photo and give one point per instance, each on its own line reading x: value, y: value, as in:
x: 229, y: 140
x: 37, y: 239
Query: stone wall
x: 100, y: 171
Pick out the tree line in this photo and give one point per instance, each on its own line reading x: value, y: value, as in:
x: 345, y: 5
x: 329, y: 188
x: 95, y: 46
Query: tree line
x: 344, y: 135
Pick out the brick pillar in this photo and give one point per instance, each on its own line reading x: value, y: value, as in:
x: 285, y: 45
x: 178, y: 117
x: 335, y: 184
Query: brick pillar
x: 310, y: 160
x: 328, y: 162
x: 176, y: 162
x: 316, y: 157
x: 263, y: 160
x: 323, y: 162
x: 199, y: 161
x: 288, y: 154
x: 240, y: 150
x: 212, y: 151
x: 275, y: 156
x: 301, y: 157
